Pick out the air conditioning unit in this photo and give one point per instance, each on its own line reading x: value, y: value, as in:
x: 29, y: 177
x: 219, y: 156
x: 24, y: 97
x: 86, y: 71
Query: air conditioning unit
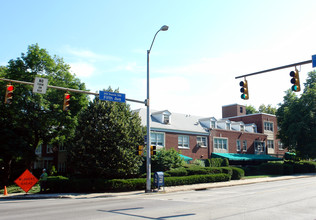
x: 199, y: 144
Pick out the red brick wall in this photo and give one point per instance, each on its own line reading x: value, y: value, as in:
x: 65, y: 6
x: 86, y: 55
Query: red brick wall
x: 233, y: 110
x: 233, y: 136
x: 194, y: 152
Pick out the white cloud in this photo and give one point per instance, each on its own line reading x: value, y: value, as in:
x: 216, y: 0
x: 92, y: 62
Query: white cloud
x: 90, y: 55
x: 82, y: 69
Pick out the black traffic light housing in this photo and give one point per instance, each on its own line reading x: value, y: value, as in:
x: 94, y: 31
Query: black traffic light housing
x: 295, y: 80
x: 244, y: 89
x: 153, y: 150
x: 66, y: 101
x: 9, y: 94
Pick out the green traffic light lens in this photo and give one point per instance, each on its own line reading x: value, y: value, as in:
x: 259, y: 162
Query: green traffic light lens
x: 243, y: 96
x: 294, y: 88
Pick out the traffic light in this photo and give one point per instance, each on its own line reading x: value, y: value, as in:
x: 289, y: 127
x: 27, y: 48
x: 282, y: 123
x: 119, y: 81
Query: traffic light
x: 66, y: 101
x: 244, y: 89
x: 140, y: 150
x: 152, y: 150
x: 9, y: 94
x: 295, y: 80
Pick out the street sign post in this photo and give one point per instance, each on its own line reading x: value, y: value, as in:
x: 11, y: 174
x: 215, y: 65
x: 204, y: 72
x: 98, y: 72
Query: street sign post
x: 40, y: 85
x: 26, y: 181
x: 111, y: 96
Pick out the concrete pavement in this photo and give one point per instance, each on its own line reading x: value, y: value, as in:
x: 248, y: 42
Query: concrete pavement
x: 170, y: 189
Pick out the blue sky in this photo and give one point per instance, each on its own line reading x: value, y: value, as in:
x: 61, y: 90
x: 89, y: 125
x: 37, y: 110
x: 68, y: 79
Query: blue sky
x: 193, y: 65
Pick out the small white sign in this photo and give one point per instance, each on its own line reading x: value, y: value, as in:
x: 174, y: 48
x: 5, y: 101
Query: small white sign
x: 40, y: 85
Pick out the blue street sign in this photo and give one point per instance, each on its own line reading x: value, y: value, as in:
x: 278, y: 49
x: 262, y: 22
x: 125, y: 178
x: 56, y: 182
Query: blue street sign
x: 111, y: 96
x: 314, y: 60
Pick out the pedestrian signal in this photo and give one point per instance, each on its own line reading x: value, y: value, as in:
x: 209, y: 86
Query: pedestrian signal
x: 140, y: 150
x: 152, y: 150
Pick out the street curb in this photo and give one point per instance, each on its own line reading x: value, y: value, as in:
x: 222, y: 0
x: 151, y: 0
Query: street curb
x: 171, y: 189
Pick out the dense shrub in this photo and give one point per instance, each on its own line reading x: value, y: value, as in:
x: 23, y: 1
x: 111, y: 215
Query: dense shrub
x: 216, y: 162
x: 194, y: 179
x: 238, y: 173
x: 288, y: 169
x: 272, y: 168
x: 181, y: 171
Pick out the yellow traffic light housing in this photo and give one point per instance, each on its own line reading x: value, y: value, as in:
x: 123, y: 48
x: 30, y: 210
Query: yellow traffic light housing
x: 295, y: 80
x: 9, y: 94
x: 66, y: 101
x: 244, y: 89
x: 152, y: 150
x: 140, y: 150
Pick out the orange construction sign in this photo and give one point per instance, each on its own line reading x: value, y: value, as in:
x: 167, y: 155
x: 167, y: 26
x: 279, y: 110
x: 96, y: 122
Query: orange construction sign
x: 26, y: 181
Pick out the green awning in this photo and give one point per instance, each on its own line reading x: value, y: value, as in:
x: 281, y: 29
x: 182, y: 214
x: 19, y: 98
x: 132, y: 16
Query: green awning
x: 246, y: 157
x: 185, y: 157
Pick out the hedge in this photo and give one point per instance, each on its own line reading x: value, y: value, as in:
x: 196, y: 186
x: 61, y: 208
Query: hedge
x: 216, y: 162
x: 238, y: 173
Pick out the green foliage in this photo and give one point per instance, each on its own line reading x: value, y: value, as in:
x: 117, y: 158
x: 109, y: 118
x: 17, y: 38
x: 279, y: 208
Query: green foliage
x: 194, y: 179
x: 272, y: 168
x: 238, y: 173
x: 166, y: 160
x: 106, y: 140
x: 181, y: 171
x: 250, y: 110
x: 216, y: 162
x: 33, y: 118
x: 262, y: 109
x: 297, y: 119
x: 200, y: 163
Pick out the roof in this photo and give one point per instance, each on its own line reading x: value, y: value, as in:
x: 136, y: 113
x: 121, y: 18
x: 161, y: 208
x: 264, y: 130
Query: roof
x: 245, y: 157
x: 180, y: 123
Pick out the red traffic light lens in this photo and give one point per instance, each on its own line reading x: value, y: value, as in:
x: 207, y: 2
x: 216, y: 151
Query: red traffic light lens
x: 67, y: 96
x: 10, y: 88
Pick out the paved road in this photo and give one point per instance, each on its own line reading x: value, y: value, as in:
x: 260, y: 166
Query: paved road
x: 286, y: 199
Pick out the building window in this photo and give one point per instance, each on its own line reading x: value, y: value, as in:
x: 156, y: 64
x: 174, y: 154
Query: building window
x: 270, y: 144
x: 166, y: 119
x: 201, y: 141
x: 244, y: 145
x: 61, y: 147
x: 241, y: 110
x: 183, y: 141
x: 38, y: 150
x: 268, y: 126
x: 281, y: 146
x: 157, y: 139
x: 62, y: 167
x: 220, y: 143
x: 242, y: 128
x: 238, y: 145
x: 259, y: 147
x: 49, y: 149
x: 227, y: 126
x: 212, y: 124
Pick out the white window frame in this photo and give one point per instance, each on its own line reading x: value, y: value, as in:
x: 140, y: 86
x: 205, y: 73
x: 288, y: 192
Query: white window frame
x: 38, y: 150
x: 270, y: 144
x: 280, y: 145
x: 61, y: 147
x: 181, y: 141
x: 220, y: 143
x: 268, y: 126
x: 244, y: 145
x: 166, y: 119
x: 155, y: 142
x: 202, y: 140
x: 49, y: 148
x: 238, y: 145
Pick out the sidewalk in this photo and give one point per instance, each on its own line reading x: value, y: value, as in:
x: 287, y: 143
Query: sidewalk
x: 170, y: 189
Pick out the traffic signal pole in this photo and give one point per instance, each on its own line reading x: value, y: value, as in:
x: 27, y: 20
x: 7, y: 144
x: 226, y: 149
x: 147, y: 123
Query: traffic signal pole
x: 67, y: 89
x: 276, y: 68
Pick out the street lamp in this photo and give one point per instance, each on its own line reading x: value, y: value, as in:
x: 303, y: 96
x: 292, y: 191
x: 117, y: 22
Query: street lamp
x: 148, y: 141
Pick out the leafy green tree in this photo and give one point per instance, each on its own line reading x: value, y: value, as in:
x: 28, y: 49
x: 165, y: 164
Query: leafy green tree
x: 267, y: 109
x: 166, y: 160
x: 35, y: 118
x: 250, y: 110
x: 297, y: 120
x: 106, y: 140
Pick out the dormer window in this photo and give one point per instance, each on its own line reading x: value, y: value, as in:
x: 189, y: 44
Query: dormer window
x: 227, y: 126
x: 166, y: 119
x: 242, y: 128
x: 213, y: 125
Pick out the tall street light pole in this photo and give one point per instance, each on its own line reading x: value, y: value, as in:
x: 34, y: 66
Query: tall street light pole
x: 148, y: 141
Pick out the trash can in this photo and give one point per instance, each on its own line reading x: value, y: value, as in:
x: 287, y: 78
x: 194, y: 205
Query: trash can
x: 159, y: 180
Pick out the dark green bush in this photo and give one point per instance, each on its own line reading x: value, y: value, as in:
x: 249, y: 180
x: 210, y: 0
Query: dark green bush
x: 272, y: 168
x: 127, y: 184
x: 288, y: 169
x: 181, y: 171
x: 194, y: 179
x: 196, y: 170
x: 238, y: 173
x: 225, y: 162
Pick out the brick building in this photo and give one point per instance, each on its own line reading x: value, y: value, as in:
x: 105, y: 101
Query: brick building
x: 199, y: 137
